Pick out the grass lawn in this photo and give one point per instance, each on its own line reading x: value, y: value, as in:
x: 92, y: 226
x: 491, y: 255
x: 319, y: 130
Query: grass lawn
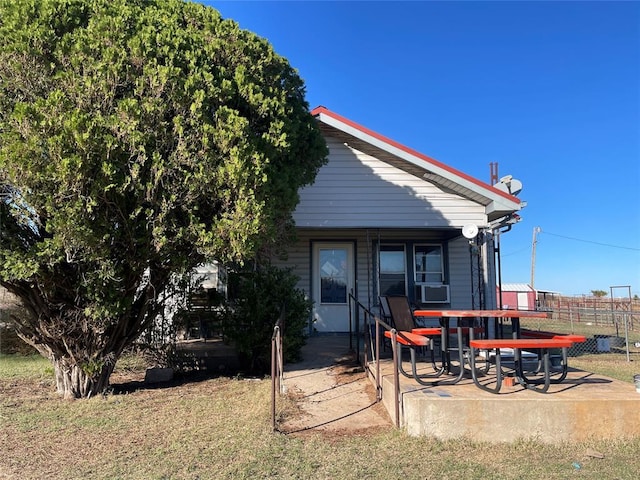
x: 613, y: 365
x: 220, y: 429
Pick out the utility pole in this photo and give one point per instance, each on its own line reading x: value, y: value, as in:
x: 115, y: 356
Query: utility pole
x: 536, y: 231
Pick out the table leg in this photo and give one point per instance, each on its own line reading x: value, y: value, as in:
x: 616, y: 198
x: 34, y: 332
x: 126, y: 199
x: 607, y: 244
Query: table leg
x: 448, y: 355
x: 533, y: 384
x: 444, y: 344
x: 474, y: 374
x: 515, y: 327
x: 418, y: 377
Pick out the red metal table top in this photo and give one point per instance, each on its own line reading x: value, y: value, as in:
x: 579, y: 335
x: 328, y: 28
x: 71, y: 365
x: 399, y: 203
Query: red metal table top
x: 480, y: 313
x: 522, y: 343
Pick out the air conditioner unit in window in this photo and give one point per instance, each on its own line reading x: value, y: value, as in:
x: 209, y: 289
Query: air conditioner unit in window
x: 435, y: 293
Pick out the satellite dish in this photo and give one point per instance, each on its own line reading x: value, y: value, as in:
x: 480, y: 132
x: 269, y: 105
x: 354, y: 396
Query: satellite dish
x: 470, y: 231
x: 509, y: 185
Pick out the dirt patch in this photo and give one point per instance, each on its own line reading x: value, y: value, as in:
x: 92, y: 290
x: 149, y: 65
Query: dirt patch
x: 335, y: 401
x: 19, y: 391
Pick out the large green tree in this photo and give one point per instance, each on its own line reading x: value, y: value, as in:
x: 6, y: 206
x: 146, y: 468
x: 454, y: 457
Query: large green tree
x: 137, y: 138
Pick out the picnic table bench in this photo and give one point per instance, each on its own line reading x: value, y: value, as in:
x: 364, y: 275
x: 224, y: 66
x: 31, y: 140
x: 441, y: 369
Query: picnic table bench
x: 418, y: 338
x: 542, y: 334
x: 541, y: 345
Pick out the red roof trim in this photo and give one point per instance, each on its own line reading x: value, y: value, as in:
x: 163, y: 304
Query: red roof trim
x: 323, y: 110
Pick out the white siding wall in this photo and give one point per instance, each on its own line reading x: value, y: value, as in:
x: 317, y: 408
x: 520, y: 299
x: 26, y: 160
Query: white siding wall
x: 460, y: 274
x: 491, y: 281
x: 357, y: 190
x: 299, y: 259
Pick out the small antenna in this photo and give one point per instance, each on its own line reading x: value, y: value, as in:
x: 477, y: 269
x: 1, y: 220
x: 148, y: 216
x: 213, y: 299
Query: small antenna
x: 494, y: 173
x: 509, y: 185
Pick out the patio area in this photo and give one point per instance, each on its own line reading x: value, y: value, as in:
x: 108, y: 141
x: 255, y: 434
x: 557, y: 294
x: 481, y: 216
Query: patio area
x: 582, y: 407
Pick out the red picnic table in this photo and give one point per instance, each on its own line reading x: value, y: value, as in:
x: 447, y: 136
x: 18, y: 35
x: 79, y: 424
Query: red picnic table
x: 513, y: 315
x: 514, y: 346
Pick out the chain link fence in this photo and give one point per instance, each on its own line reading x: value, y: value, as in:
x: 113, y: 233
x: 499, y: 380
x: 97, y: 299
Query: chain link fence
x: 611, y: 326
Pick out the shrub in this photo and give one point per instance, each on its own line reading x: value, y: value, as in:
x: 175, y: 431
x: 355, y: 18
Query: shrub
x: 257, y: 301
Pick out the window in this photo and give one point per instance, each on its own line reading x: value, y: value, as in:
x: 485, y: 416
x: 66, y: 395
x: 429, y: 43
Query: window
x: 333, y: 275
x: 416, y: 270
x: 393, y: 278
x: 429, y: 265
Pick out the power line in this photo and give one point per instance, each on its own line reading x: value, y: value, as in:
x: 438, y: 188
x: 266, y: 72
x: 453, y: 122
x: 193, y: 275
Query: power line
x: 590, y: 241
x: 517, y: 251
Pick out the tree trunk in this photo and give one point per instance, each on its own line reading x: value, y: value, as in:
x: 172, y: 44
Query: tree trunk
x: 81, y: 381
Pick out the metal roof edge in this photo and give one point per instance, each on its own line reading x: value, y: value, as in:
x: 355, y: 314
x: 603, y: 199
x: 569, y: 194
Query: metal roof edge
x: 516, y: 287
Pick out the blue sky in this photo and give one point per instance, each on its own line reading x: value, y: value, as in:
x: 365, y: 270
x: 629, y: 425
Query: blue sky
x: 548, y: 90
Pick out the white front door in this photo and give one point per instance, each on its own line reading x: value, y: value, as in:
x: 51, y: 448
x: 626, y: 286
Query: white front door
x: 333, y: 279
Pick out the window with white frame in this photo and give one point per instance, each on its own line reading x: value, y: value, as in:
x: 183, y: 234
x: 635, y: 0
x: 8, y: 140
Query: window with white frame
x: 428, y: 263
x: 429, y: 274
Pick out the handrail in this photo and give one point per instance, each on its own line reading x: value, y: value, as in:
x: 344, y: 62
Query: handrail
x: 396, y: 375
x: 277, y: 360
x: 379, y: 323
x: 367, y: 315
x: 277, y: 366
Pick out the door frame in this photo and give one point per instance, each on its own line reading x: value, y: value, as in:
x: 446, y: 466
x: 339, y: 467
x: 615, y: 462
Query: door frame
x: 315, y: 247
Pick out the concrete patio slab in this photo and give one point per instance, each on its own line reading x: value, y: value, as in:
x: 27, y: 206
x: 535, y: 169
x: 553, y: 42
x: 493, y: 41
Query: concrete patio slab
x: 585, y: 406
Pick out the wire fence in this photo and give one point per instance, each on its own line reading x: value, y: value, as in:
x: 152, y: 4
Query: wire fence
x: 611, y: 331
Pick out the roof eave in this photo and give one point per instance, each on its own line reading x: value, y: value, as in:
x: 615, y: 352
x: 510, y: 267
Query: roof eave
x: 496, y: 202
x: 497, y: 209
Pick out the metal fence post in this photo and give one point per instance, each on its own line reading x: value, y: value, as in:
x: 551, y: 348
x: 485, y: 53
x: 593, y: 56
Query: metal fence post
x: 273, y: 380
x: 626, y: 335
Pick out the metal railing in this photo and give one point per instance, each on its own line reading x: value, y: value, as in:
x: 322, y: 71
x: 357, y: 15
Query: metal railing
x: 372, y: 344
x: 277, y: 367
x: 373, y: 335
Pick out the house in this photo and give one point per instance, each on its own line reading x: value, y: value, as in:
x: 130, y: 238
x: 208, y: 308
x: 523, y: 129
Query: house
x: 384, y: 219
x: 516, y: 296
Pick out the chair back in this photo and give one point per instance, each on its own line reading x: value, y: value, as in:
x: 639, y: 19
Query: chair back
x: 401, y: 313
x: 385, y: 314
